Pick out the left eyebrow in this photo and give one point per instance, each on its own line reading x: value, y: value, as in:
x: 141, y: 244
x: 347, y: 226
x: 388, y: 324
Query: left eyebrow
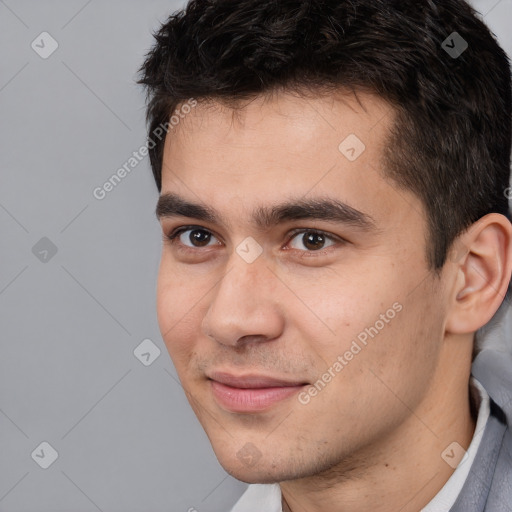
x: 264, y: 217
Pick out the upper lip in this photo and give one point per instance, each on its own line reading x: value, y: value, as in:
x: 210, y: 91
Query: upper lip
x: 252, y: 381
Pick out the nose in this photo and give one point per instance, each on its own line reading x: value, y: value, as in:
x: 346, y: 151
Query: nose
x: 245, y: 306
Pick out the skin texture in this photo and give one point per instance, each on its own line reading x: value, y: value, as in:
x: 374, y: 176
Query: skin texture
x: 372, y: 438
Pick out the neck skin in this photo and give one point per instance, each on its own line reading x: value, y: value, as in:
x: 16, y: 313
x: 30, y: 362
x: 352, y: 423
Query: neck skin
x: 404, y: 471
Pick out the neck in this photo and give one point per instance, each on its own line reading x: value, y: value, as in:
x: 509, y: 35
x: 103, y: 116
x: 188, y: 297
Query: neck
x: 404, y: 471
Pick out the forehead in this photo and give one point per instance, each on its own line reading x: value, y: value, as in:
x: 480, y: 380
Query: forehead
x: 268, y: 121
x: 285, y: 145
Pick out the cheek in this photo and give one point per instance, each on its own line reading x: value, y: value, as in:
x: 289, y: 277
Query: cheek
x: 389, y: 353
x: 337, y: 310
x: 178, y: 304
x: 374, y: 320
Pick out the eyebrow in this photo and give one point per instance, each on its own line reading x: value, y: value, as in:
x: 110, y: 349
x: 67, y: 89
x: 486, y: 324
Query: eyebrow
x: 264, y: 217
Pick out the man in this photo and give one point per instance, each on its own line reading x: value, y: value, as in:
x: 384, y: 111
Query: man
x: 333, y: 199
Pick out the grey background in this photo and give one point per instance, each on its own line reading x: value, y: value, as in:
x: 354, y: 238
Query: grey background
x: 126, y: 437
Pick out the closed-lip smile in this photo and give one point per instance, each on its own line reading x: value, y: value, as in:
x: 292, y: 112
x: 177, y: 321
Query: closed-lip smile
x: 250, y: 392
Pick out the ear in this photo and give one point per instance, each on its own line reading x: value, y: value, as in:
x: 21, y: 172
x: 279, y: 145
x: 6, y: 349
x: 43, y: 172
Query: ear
x: 483, y: 267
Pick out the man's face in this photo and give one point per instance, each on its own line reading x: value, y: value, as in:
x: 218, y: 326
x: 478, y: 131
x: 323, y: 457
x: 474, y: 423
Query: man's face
x: 300, y: 341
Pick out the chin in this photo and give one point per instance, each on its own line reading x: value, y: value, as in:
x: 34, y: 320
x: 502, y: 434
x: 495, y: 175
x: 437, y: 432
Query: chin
x: 252, y: 471
x: 252, y: 476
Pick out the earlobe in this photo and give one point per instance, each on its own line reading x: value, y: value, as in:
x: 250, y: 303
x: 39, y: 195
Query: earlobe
x: 483, y: 273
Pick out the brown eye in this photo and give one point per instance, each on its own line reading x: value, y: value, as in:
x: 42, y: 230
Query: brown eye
x: 199, y: 237
x: 311, y: 240
x: 192, y: 237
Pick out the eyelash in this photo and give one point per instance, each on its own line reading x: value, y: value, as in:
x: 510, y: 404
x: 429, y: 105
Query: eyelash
x: 291, y: 235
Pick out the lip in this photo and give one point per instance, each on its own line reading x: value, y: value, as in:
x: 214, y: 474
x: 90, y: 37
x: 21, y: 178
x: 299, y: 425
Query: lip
x: 251, y: 393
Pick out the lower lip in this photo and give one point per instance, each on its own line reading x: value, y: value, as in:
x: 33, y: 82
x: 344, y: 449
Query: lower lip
x: 250, y: 400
